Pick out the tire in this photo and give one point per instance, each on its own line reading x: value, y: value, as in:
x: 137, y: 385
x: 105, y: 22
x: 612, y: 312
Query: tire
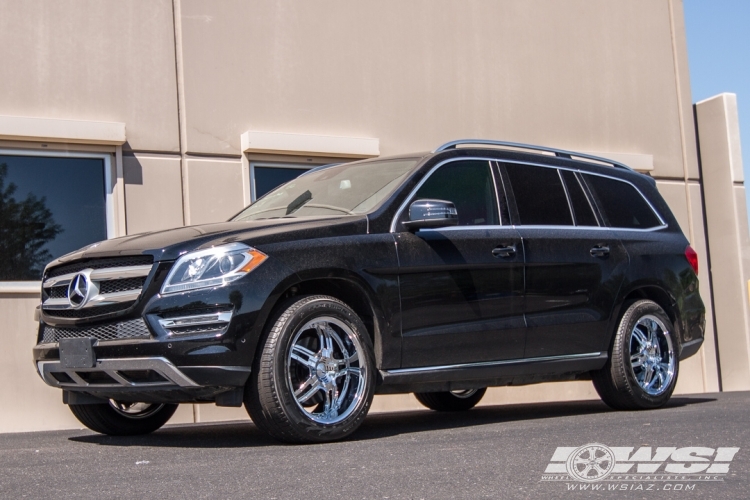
x: 314, y: 375
x: 123, y: 419
x: 451, y: 400
x: 643, y: 344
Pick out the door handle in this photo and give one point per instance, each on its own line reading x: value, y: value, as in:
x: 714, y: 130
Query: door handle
x: 600, y: 251
x: 504, y: 251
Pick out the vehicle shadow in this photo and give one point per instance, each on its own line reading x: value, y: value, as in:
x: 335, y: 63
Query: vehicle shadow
x: 376, y: 426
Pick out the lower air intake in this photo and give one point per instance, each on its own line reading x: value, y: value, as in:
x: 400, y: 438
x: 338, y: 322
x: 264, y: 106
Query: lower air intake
x: 133, y: 329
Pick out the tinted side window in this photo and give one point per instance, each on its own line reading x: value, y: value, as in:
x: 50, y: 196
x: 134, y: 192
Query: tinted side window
x: 540, y: 196
x: 622, y: 205
x: 581, y: 206
x: 468, y: 184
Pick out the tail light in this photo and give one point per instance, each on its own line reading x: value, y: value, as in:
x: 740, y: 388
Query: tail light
x: 692, y: 258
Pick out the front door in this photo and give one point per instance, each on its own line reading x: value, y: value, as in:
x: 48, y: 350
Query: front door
x: 462, y: 287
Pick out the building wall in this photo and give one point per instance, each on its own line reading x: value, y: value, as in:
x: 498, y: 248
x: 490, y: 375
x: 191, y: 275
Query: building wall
x: 188, y: 77
x: 726, y: 214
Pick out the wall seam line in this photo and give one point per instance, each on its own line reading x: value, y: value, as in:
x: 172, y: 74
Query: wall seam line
x: 181, y: 115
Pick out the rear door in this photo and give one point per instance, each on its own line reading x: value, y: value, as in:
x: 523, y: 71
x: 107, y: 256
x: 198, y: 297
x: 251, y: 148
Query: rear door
x: 462, y: 287
x: 574, y: 265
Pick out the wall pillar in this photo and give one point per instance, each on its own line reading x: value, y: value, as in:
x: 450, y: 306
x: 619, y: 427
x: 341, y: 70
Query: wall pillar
x: 728, y: 239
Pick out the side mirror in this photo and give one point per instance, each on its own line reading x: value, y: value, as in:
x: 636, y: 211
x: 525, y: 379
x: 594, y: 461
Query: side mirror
x: 431, y: 214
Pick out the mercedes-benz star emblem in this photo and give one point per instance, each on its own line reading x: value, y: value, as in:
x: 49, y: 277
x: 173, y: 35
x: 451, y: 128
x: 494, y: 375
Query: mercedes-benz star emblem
x: 78, y: 290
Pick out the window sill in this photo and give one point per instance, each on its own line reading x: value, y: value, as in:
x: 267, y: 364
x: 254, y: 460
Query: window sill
x: 26, y: 287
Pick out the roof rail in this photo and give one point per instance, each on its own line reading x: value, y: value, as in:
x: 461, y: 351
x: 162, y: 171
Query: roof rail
x: 558, y: 152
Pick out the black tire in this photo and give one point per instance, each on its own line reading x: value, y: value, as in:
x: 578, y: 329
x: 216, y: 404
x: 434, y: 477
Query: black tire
x: 107, y: 419
x: 451, y: 400
x: 619, y: 382
x: 283, y: 412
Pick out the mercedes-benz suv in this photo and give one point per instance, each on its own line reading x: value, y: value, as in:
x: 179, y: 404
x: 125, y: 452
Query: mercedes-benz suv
x: 482, y: 263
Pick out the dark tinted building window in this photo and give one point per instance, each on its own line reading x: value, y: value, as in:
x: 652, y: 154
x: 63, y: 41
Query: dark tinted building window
x: 268, y: 178
x: 622, y: 204
x: 540, y: 196
x: 468, y: 184
x: 581, y: 206
x: 48, y: 207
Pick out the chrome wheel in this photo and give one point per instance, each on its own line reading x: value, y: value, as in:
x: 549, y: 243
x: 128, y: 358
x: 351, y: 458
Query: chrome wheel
x: 135, y: 410
x: 324, y: 370
x: 465, y: 393
x: 652, y: 357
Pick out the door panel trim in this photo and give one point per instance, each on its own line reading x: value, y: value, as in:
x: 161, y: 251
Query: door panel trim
x: 542, y: 359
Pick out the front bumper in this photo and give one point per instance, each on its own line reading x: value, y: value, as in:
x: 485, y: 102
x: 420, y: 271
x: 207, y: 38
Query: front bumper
x: 186, y: 348
x: 146, y: 379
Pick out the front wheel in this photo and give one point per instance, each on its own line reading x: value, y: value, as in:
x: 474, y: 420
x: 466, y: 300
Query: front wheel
x: 123, y: 419
x: 451, y: 400
x: 314, y: 378
x: 642, y: 369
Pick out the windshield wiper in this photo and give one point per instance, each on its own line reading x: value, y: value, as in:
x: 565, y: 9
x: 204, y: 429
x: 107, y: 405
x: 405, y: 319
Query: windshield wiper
x: 298, y: 202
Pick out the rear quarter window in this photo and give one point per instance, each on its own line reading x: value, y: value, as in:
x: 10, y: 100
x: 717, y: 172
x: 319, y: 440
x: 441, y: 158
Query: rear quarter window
x: 622, y: 205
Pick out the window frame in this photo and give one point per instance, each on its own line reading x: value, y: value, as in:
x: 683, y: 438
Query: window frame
x: 593, y: 201
x: 109, y: 194
x: 491, y: 165
x: 586, y: 193
x: 516, y: 217
x: 602, y: 214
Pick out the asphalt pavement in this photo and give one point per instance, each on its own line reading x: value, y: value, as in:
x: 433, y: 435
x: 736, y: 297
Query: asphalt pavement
x: 488, y: 452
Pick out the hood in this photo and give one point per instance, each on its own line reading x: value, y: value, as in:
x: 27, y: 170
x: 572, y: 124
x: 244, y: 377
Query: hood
x: 171, y: 243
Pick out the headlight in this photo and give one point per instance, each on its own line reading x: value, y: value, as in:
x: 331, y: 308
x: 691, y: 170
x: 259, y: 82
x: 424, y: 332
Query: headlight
x: 212, y: 267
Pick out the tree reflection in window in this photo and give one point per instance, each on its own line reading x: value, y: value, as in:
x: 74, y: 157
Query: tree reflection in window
x: 26, y: 226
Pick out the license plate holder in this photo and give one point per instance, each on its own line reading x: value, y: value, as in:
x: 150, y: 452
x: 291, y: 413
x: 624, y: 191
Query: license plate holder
x: 77, y: 353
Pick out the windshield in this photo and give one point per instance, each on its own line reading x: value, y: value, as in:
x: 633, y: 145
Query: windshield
x: 351, y: 188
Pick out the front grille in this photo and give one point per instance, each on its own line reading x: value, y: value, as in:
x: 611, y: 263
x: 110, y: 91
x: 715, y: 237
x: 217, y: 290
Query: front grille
x: 133, y: 329
x: 103, y: 263
x: 118, y: 294
x: 114, y: 286
x: 58, y: 292
x: 88, y: 312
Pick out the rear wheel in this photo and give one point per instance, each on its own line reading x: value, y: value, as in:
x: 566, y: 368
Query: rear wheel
x: 123, y: 419
x: 451, y: 400
x: 314, y: 378
x: 642, y: 369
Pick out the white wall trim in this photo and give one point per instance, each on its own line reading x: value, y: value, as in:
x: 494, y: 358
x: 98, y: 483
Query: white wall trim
x: 304, y: 144
x: 636, y: 161
x: 30, y: 287
x: 55, y: 130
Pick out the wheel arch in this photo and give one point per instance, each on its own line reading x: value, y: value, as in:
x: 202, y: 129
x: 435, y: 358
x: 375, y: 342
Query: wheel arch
x: 661, y: 297
x: 340, y: 284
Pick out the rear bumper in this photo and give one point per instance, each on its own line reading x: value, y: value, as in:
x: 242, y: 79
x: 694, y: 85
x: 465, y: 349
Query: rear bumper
x: 690, y: 348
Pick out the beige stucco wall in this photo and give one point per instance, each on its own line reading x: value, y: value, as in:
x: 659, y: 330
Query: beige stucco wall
x: 590, y: 76
x: 578, y: 74
x: 153, y: 190
x: 215, y: 189
x: 92, y: 60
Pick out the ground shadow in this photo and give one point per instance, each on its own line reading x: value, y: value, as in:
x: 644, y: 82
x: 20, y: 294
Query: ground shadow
x: 376, y: 426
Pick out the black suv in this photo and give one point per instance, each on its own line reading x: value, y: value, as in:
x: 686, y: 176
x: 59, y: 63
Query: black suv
x: 482, y: 263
